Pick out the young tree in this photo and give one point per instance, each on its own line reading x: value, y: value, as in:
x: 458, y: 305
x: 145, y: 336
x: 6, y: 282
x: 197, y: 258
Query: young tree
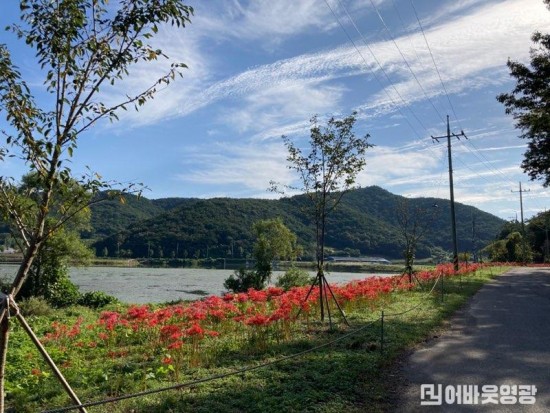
x: 529, y: 103
x: 413, y: 222
x: 326, y: 172
x: 48, y: 275
x: 83, y: 47
x: 273, y: 241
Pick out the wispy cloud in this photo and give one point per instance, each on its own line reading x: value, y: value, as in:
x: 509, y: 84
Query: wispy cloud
x: 468, y: 51
x: 251, y: 167
x: 268, y: 21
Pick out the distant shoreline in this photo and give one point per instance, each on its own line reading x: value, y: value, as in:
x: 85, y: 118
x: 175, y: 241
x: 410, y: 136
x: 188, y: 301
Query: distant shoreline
x: 220, y: 263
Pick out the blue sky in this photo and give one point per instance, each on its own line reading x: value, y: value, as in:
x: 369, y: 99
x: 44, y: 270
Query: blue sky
x: 261, y: 69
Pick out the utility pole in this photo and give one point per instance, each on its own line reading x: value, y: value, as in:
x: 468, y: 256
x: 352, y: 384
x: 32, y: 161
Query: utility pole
x: 521, y: 191
x: 453, y: 216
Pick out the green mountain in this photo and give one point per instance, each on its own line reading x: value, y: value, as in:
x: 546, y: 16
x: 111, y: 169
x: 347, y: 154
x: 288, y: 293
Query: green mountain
x: 364, y: 223
x: 112, y: 216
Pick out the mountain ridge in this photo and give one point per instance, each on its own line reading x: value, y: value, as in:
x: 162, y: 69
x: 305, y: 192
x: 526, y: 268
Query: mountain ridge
x: 365, y: 223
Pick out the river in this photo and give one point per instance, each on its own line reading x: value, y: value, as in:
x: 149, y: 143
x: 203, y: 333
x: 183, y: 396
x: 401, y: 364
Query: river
x: 157, y: 285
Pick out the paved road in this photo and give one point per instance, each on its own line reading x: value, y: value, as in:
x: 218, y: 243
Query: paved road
x: 501, y: 338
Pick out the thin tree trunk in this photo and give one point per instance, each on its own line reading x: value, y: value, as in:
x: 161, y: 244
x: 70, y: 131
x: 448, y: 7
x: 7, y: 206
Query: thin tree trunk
x: 20, y: 279
x: 4, y: 336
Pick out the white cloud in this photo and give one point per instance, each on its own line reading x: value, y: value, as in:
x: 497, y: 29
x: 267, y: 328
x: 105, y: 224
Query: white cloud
x: 280, y: 109
x: 267, y: 20
x: 394, y: 167
x: 469, y: 52
x: 182, y: 46
x: 251, y: 167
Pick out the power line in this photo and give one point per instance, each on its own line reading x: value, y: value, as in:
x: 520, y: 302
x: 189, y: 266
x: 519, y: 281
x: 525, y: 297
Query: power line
x: 392, y: 85
x: 435, y: 64
x: 385, y: 74
x: 488, y: 165
x: 379, y: 65
x: 405, y: 59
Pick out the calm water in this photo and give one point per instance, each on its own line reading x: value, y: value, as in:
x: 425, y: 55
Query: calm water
x: 156, y: 285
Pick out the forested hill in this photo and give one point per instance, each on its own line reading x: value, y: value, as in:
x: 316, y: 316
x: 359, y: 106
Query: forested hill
x: 364, y: 223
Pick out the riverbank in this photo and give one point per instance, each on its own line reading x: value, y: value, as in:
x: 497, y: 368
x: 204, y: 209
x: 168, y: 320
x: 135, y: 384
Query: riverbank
x: 233, y: 264
x: 227, y: 263
x: 307, y: 366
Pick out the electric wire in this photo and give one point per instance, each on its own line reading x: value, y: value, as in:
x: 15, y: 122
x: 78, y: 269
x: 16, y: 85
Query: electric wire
x: 396, y: 106
x: 381, y: 68
x: 415, y: 77
x: 485, y: 161
x: 435, y: 64
x: 476, y: 153
x: 388, y: 31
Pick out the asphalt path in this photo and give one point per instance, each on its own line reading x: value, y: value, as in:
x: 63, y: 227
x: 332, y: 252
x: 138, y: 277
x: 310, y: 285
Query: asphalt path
x: 501, y: 338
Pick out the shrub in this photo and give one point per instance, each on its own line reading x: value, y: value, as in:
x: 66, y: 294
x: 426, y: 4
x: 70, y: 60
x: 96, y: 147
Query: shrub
x: 294, y: 277
x: 35, y: 306
x: 62, y: 293
x: 241, y: 280
x: 96, y: 299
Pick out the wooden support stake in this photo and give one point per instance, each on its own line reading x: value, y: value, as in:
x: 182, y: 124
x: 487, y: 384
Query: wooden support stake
x: 47, y: 357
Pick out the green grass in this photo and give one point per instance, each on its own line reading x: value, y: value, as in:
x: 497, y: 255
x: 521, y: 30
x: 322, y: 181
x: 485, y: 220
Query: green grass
x: 349, y: 375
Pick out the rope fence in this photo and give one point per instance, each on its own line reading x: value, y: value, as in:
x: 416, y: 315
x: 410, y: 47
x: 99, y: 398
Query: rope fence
x: 267, y: 364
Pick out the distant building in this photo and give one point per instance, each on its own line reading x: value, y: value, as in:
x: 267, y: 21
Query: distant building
x: 367, y: 260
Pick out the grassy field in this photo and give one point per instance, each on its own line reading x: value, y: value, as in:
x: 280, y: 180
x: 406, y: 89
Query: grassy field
x: 297, y: 365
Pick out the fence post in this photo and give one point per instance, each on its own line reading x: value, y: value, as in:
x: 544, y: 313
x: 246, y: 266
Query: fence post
x: 382, y: 332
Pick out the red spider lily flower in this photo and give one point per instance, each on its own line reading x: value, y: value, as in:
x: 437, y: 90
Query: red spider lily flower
x: 176, y: 336
x: 195, y: 330
x: 241, y: 297
x: 166, y: 332
x: 257, y: 296
x: 275, y: 291
x: 217, y: 315
x: 167, y: 360
x: 258, y: 320
x: 138, y: 312
x: 175, y: 345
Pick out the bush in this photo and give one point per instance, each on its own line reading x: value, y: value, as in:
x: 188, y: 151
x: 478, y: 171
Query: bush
x: 62, y: 293
x: 294, y: 277
x: 241, y: 280
x: 96, y: 299
x: 35, y: 306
